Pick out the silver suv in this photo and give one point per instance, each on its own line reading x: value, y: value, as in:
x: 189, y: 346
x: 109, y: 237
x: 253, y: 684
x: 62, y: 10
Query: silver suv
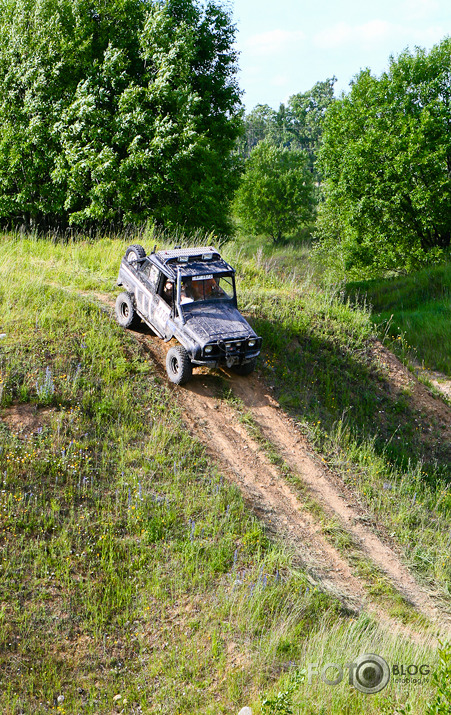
x: 188, y: 294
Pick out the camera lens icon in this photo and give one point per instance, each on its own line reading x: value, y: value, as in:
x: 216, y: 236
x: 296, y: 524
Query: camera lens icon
x: 371, y: 673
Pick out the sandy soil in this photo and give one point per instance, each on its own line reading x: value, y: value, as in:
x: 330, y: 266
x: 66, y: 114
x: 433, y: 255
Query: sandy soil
x: 25, y: 419
x: 440, y: 381
x: 401, y: 379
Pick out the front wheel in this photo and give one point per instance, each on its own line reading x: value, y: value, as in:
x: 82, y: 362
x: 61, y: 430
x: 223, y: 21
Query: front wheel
x: 246, y: 368
x: 178, y: 365
x: 126, y: 314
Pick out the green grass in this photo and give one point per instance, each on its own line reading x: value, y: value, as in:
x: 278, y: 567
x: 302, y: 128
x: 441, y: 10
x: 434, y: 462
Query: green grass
x: 133, y: 578
x: 415, y: 311
x: 372, y: 578
x: 318, y: 354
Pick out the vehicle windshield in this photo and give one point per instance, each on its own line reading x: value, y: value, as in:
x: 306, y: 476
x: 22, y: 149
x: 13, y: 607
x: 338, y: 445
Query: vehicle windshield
x: 207, y: 287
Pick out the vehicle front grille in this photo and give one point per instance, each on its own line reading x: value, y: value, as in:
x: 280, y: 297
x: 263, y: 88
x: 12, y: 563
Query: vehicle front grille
x: 237, y: 347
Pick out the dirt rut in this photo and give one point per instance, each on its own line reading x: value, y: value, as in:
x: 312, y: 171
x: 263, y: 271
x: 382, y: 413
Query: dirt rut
x: 244, y: 461
x: 329, y: 491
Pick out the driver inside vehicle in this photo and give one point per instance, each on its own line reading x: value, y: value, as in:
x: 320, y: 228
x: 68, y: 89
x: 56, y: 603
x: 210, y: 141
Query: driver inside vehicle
x: 212, y: 289
x: 168, y: 291
x: 194, y: 290
x: 186, y: 293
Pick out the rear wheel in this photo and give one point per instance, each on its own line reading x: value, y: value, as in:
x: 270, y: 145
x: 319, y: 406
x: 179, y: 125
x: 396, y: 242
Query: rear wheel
x: 246, y: 368
x: 178, y: 365
x: 126, y: 314
x: 134, y: 253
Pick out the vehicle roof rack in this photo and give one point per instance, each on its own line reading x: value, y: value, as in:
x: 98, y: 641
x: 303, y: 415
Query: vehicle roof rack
x: 176, y: 255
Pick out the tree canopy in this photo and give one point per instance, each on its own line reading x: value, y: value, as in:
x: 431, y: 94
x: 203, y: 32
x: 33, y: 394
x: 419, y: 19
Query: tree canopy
x: 276, y: 194
x: 297, y: 125
x: 386, y: 159
x: 117, y: 111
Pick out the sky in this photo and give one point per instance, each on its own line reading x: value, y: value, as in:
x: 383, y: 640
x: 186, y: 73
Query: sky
x: 287, y: 45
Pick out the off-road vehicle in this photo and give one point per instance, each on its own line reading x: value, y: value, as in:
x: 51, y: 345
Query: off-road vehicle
x: 188, y: 294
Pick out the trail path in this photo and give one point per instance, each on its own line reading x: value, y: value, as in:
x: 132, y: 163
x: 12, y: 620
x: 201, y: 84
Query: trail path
x: 441, y: 381
x: 216, y: 424
x: 275, y: 501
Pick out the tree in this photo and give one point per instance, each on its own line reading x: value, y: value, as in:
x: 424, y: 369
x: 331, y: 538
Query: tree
x: 276, y: 194
x: 298, y: 125
x: 305, y: 116
x: 386, y: 159
x: 258, y: 125
x: 117, y: 111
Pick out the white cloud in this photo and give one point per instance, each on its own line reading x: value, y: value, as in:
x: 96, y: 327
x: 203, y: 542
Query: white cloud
x: 344, y: 34
x: 373, y: 33
x: 274, y: 41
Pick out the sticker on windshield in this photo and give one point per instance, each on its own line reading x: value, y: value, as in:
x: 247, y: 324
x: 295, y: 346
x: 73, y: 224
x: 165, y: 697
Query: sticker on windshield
x: 203, y: 278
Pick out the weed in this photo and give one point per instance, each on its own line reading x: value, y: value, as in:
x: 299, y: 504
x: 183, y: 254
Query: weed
x: 441, y: 678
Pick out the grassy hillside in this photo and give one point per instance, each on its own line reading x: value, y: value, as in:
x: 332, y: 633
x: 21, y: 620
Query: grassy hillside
x: 319, y: 354
x: 133, y: 578
x: 415, y: 311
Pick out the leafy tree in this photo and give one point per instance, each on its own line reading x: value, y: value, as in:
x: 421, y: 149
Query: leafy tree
x: 117, y: 110
x: 386, y: 158
x: 298, y: 125
x: 258, y: 125
x: 276, y: 194
x: 306, y: 113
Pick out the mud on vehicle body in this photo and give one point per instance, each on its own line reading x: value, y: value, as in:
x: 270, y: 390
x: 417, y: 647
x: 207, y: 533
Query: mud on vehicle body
x: 188, y: 294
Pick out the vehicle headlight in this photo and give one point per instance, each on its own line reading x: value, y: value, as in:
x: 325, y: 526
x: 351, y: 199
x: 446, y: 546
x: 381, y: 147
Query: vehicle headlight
x: 251, y: 343
x: 228, y: 346
x: 209, y: 348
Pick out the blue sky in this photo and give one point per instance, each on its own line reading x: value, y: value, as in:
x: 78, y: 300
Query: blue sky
x: 288, y: 45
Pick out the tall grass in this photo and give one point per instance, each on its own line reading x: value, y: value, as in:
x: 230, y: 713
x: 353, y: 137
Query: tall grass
x: 415, y: 310
x: 133, y: 578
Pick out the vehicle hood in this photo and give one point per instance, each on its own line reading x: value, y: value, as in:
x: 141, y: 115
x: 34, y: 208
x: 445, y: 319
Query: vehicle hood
x: 215, y: 322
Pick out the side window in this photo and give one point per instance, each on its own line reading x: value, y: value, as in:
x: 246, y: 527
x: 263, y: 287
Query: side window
x: 152, y: 274
x: 166, y: 289
x: 225, y: 284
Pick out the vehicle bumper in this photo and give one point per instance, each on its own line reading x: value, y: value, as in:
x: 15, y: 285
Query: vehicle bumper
x: 225, y: 360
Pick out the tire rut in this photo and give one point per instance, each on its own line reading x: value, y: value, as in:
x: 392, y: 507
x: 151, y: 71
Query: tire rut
x: 274, y: 501
x: 215, y: 423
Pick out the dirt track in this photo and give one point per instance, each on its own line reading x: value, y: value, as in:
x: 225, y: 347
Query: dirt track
x: 215, y: 423
x: 244, y: 461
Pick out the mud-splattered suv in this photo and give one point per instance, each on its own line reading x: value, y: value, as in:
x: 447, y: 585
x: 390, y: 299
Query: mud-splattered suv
x: 187, y: 294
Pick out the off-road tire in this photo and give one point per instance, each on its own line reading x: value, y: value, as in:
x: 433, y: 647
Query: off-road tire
x: 126, y: 314
x: 134, y: 253
x: 246, y: 368
x: 178, y: 365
